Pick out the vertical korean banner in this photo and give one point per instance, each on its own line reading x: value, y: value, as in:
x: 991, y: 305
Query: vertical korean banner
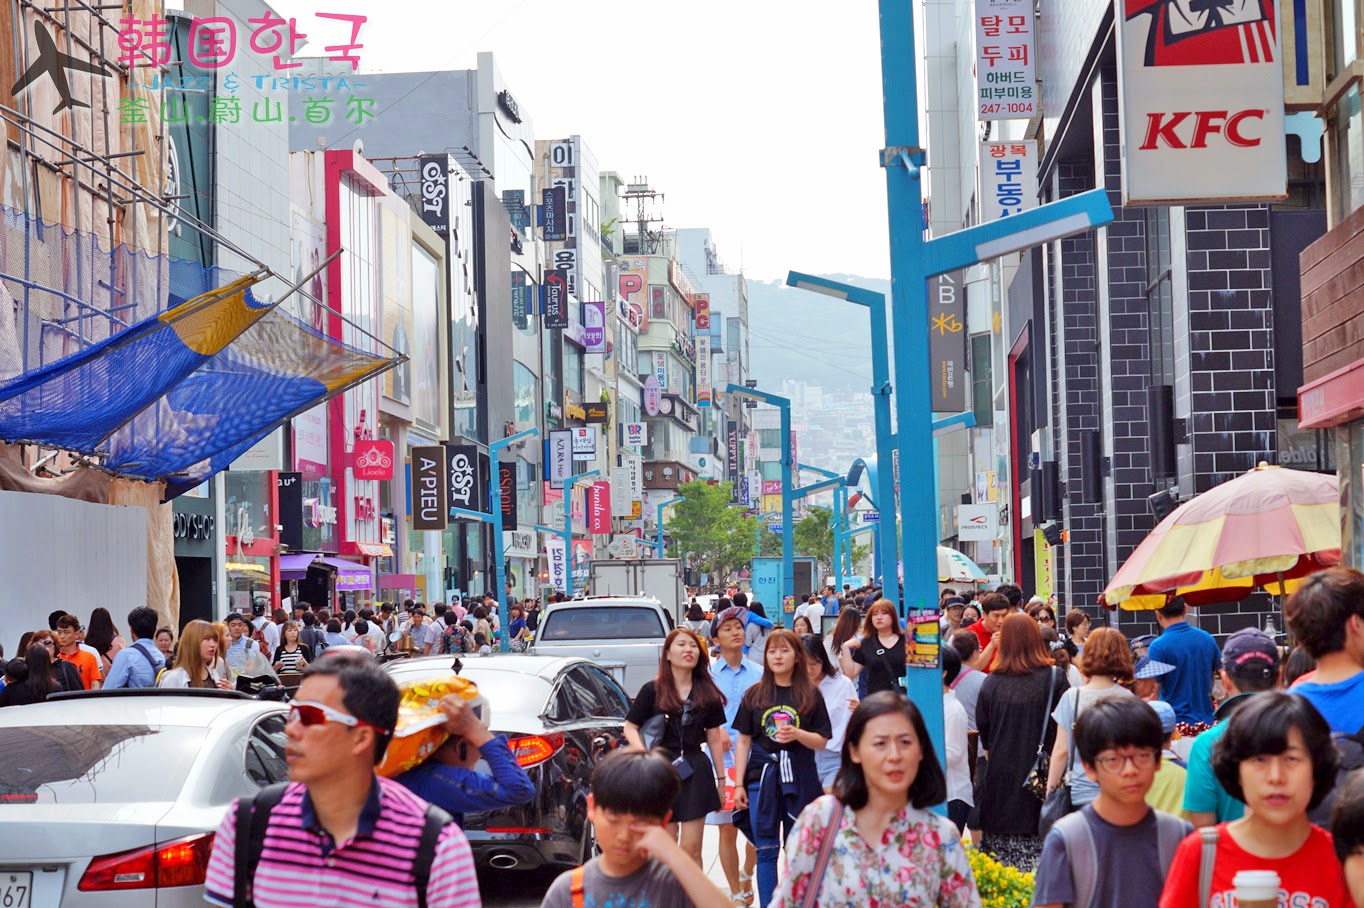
x: 520, y: 287
x: 947, y: 342
x: 599, y: 507
x: 555, y: 213
x: 703, y: 379
x: 1006, y: 75
x: 661, y: 369
x: 594, y: 326
x: 1008, y: 178
x: 558, y: 563
x: 732, y: 459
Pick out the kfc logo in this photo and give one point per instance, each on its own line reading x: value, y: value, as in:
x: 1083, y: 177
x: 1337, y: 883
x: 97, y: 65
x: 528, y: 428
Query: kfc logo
x: 1191, y: 129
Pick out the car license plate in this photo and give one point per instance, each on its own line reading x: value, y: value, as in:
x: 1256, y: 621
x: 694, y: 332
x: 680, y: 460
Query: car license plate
x: 16, y: 889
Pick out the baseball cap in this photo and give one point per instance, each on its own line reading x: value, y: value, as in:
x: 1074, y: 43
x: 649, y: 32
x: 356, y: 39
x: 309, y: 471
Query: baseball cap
x: 1166, y: 712
x: 954, y: 602
x: 1250, y: 653
x: 1147, y: 667
x: 733, y: 612
x: 1143, y: 640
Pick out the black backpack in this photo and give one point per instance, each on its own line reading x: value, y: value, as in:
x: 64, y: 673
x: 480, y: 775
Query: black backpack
x: 253, y: 816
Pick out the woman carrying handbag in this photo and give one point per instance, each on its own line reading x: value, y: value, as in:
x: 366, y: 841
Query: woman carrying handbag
x: 875, y: 840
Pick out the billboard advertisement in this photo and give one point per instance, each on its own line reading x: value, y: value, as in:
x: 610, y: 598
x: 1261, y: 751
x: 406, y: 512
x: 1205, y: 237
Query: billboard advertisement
x: 599, y: 507
x: 430, y: 509
x: 1202, y: 102
x: 559, y: 457
x: 555, y: 295
x: 555, y: 211
x: 703, y: 379
x: 594, y: 327
x: 435, y: 194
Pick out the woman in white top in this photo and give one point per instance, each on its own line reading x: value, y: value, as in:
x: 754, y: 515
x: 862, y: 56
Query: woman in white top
x: 959, y: 795
x: 196, y: 660
x: 840, y: 699
x: 889, y: 848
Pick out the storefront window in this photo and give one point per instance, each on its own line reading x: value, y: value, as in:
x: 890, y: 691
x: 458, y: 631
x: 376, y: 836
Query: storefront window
x: 1345, y: 16
x: 1348, y: 154
x: 247, y: 507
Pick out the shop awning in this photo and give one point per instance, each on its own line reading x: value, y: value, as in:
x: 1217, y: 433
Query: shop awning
x: 375, y: 549
x: 349, y: 575
x: 295, y: 567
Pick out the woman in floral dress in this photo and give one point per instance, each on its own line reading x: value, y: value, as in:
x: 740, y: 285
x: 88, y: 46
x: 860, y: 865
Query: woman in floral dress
x: 889, y: 850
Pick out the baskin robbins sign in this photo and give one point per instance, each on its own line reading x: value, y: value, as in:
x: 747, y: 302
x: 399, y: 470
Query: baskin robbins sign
x: 1202, y: 101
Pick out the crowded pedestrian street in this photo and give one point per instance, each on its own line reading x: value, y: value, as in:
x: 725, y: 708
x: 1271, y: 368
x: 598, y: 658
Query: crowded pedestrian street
x: 612, y: 455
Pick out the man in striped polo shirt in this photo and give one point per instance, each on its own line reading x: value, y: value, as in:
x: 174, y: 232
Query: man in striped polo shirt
x: 340, y: 835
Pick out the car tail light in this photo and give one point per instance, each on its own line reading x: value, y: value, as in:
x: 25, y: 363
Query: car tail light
x: 182, y: 862
x: 532, y: 750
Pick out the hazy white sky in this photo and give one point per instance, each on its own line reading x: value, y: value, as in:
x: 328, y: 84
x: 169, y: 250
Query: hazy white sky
x: 760, y: 120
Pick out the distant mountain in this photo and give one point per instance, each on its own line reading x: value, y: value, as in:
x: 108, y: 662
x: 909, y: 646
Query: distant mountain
x: 796, y: 334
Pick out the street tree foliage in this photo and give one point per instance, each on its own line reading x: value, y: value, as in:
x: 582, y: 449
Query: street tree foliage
x: 814, y: 538
x: 717, y: 538
x: 771, y: 544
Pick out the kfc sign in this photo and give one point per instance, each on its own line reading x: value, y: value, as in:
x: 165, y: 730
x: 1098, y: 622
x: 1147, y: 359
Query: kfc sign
x: 373, y: 460
x: 1201, y: 101
x: 1172, y: 131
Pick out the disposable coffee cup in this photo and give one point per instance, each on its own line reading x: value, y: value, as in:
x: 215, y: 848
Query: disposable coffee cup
x: 1256, y: 889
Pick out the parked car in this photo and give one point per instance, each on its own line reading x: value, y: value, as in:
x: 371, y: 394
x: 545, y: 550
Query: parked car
x: 111, y: 798
x: 560, y: 716
x: 607, y: 629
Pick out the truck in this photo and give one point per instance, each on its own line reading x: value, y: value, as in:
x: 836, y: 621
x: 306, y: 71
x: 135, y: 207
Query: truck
x: 622, y: 634
x: 657, y: 578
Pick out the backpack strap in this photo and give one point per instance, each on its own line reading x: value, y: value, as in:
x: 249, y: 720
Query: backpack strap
x: 145, y: 655
x: 1169, y: 833
x: 434, y: 825
x: 575, y: 885
x: 1082, y: 855
x: 253, y: 816
x: 1207, y: 857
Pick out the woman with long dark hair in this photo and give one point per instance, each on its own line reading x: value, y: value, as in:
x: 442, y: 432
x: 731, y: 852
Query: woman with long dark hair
x: 880, y: 650
x: 840, y: 699
x: 291, y: 655
x: 849, y: 620
x: 37, y: 681
x: 782, y: 724
x: 64, y: 675
x: 888, y: 848
x: 103, y: 637
x: 693, y: 713
x: 1013, y: 716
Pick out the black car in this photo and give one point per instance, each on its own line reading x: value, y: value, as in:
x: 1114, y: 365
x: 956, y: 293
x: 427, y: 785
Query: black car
x: 560, y: 715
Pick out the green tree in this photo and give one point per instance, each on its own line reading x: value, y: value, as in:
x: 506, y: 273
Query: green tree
x: 771, y: 544
x: 814, y: 538
x: 718, y: 538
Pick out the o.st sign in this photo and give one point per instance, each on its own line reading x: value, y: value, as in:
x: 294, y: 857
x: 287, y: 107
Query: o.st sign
x: 1202, y: 104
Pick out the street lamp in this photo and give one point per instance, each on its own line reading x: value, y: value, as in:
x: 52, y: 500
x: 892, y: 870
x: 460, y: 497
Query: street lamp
x: 880, y: 391
x: 495, y: 518
x: 913, y: 260
x: 788, y: 554
x: 566, y: 534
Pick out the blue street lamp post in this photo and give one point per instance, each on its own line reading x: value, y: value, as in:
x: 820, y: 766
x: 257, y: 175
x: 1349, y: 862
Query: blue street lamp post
x: 495, y: 450
x: 788, y: 553
x: 566, y: 534
x: 840, y: 503
x: 875, y: 304
x: 913, y: 260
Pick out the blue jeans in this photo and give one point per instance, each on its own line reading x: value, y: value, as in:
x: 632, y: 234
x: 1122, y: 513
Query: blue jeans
x: 768, y: 850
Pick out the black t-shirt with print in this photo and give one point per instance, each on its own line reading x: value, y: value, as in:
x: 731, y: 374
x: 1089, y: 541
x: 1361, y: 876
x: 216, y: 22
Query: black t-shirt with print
x: 761, y: 724
x: 884, y: 665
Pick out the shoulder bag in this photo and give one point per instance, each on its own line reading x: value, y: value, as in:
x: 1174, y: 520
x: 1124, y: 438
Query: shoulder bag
x: 1059, y: 802
x: 826, y: 849
x: 1036, y: 782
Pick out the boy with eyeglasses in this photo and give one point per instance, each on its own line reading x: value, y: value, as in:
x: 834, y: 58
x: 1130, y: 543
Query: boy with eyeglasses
x: 1114, y: 852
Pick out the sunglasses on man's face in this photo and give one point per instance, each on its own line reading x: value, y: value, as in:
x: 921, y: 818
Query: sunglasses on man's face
x: 309, y: 714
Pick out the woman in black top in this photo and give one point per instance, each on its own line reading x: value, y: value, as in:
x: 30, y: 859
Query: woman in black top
x: 782, y: 723
x: 291, y: 655
x: 880, y: 650
x: 693, y: 711
x: 1013, y: 711
x: 64, y: 675
x: 28, y: 680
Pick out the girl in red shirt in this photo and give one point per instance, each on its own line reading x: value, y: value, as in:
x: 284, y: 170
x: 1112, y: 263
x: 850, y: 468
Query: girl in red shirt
x: 1277, y: 756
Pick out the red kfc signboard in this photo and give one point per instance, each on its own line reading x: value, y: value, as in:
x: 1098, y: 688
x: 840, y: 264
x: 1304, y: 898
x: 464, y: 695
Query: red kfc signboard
x: 372, y: 459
